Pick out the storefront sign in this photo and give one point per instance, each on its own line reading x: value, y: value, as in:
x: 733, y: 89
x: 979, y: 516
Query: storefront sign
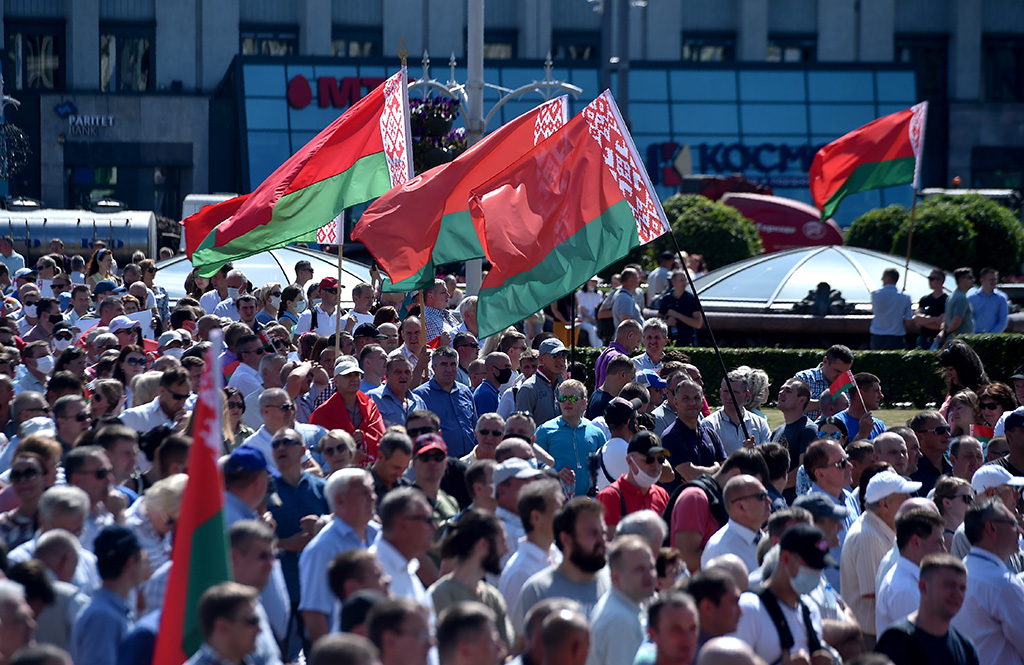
x: 726, y: 158
x: 330, y: 91
x: 81, y: 124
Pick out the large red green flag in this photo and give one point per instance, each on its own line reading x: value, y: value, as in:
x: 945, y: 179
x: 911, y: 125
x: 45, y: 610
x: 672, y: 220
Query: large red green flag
x: 200, y: 553
x: 882, y: 153
x: 574, y: 204
x: 358, y: 157
x: 426, y: 223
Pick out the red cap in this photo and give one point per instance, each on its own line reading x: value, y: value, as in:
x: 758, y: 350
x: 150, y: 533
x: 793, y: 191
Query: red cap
x: 430, y: 441
x: 329, y: 283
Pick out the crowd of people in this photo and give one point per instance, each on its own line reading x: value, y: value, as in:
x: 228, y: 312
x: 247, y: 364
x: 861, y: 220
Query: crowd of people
x: 401, y: 492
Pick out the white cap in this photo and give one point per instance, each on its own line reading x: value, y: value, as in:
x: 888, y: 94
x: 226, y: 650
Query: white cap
x: 121, y: 323
x: 888, y: 483
x: 993, y: 475
x: 513, y: 467
x: 346, y: 365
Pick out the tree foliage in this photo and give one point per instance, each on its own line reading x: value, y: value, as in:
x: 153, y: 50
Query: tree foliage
x: 702, y: 226
x: 876, y: 228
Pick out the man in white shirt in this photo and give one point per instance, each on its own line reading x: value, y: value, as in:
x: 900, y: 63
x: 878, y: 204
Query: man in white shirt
x: 408, y: 526
x: 169, y: 406
x: 537, y: 504
x: 993, y: 611
x: 209, y: 300
x: 508, y: 479
x: 918, y: 533
x: 362, y: 300
x: 748, y: 505
x: 236, y: 285
x: 324, y: 312
x: 617, y: 622
x: 249, y: 351
x: 726, y: 421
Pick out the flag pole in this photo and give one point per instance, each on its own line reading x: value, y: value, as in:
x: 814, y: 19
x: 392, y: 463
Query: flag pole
x: 711, y: 334
x: 572, y: 330
x: 339, y: 231
x: 910, y: 239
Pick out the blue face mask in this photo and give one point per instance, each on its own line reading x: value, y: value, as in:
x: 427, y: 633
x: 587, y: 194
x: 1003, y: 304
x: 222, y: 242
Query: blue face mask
x: 806, y: 580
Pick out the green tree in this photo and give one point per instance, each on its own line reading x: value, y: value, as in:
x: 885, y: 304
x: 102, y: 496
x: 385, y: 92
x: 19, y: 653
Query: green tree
x: 876, y: 228
x: 702, y: 226
x: 943, y: 235
x: 1000, y: 238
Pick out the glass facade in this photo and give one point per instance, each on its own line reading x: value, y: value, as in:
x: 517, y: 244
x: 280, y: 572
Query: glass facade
x: 126, y: 59
x: 35, y: 55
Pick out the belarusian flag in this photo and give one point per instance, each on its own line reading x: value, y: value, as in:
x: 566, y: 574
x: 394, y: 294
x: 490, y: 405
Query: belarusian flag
x: 842, y: 383
x: 983, y: 433
x: 426, y: 222
x: 200, y: 553
x: 568, y: 208
x: 882, y: 153
x: 358, y: 157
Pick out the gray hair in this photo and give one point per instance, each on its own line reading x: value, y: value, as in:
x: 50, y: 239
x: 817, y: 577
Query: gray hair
x: 65, y: 500
x: 655, y: 322
x: 644, y: 523
x: 235, y: 272
x: 393, y: 441
x: 443, y: 352
x: 270, y: 358
x: 465, y: 304
x: 396, y: 503
x: 340, y: 481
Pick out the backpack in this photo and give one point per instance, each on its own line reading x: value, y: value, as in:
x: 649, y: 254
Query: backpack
x: 713, y: 493
x: 771, y: 603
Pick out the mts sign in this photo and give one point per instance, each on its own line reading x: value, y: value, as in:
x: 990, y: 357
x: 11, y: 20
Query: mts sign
x: 330, y: 91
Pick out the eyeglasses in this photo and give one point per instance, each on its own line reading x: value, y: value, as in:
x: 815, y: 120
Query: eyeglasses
x: 136, y: 361
x: 832, y: 435
x: 334, y: 450
x: 433, y: 456
x: 560, y: 354
x: 81, y: 417
x: 935, y: 278
x: 236, y: 405
x: 990, y: 406
x: 938, y: 429
x: 287, y: 441
x: 415, y: 432
x: 651, y: 459
x: 760, y: 496
x: 490, y: 432
x: 27, y: 474
x: 286, y: 407
x: 429, y: 519
x: 280, y: 343
x: 103, y: 472
x: 841, y: 464
x: 150, y: 269
x: 569, y: 398
x: 966, y: 498
x: 251, y: 621
x: 177, y: 396
x: 63, y: 336
x: 331, y: 291
x: 468, y: 346
x: 59, y: 286
x: 258, y: 351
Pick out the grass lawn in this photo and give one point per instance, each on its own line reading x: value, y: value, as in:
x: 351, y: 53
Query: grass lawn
x: 891, y: 417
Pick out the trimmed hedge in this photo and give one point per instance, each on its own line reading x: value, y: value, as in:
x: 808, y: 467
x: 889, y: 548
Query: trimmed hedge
x: 913, y: 377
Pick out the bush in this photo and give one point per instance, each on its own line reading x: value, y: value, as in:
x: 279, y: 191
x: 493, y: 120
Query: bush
x: 913, y: 377
x: 875, y: 229
x: 1000, y: 237
x: 707, y: 227
x: 943, y: 235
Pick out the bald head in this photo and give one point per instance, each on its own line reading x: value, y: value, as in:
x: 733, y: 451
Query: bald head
x: 916, y: 502
x: 734, y: 566
x: 891, y: 448
x: 566, y: 638
x: 727, y: 651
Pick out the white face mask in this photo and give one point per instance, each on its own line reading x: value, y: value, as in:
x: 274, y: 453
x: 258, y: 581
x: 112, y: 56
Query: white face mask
x: 806, y: 580
x: 174, y: 353
x: 233, y: 293
x: 31, y: 311
x: 44, y: 364
x: 315, y: 303
x: 61, y: 344
x: 300, y: 306
x: 275, y: 301
x: 640, y: 476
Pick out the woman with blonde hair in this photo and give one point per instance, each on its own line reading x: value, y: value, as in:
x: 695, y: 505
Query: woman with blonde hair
x: 953, y: 496
x: 339, y: 450
x: 153, y: 517
x: 270, y: 301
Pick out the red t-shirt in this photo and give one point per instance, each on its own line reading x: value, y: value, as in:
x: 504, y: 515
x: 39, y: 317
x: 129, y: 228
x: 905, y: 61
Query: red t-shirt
x: 692, y: 512
x: 655, y: 498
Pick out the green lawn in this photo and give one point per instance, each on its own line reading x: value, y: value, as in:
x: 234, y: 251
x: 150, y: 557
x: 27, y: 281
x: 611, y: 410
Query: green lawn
x: 891, y: 417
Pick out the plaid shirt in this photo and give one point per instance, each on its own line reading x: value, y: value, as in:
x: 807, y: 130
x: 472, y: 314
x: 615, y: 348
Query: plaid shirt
x: 818, y: 384
x: 438, y: 321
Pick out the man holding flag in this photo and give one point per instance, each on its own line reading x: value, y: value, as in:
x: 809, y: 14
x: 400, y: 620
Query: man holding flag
x: 865, y: 396
x: 838, y: 360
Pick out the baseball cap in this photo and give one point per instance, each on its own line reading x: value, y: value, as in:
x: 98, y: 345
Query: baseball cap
x: 650, y: 378
x: 820, y: 505
x: 116, y: 542
x: 106, y: 286
x: 22, y: 272
x: 511, y: 468
x: 1018, y: 374
x: 329, y: 283
x: 169, y: 337
x: 346, y: 365
x: 619, y: 411
x: 551, y: 347
x: 810, y: 544
x: 993, y: 475
x: 646, y: 443
x: 427, y: 442
x: 121, y: 323
x: 888, y: 483
x: 63, y: 325
x: 247, y: 458
x: 1013, y: 421
x: 368, y: 330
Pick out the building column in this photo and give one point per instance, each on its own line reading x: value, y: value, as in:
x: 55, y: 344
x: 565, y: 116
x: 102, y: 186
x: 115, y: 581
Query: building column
x: 836, y: 42
x: 656, y: 31
x: 315, y: 27
x: 176, y: 52
x: 83, y: 44
x: 877, y: 27
x: 965, y: 56
x: 534, y: 29
x: 218, y: 38
x: 752, y: 35
x: 447, y: 21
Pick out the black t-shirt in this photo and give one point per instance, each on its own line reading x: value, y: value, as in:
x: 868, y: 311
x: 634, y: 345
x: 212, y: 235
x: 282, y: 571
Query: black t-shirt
x: 686, y: 304
x: 932, y: 306
x: 598, y: 402
x: 796, y: 437
x: 1004, y: 462
x: 906, y: 644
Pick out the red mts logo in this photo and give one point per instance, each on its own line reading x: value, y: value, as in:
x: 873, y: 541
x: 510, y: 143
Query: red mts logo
x: 329, y: 92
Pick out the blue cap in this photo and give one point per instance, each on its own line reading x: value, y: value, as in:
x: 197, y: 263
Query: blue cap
x: 650, y: 378
x: 248, y: 458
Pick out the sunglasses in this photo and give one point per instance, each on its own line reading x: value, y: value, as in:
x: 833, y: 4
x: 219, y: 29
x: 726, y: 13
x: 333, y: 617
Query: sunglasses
x: 82, y: 417
x: 490, y: 432
x: 331, y: 291
x: 150, y: 269
x: 259, y: 350
x: 27, y: 474
x: 287, y: 441
x: 177, y: 396
x: 287, y: 406
x: 966, y: 498
x: 280, y: 343
x: 276, y: 294
x: 841, y: 464
x: 435, y: 456
x: 569, y: 398
x: 103, y: 472
x: 250, y: 621
x: 59, y: 286
x: 63, y: 336
x: 137, y: 362
x: 938, y: 429
x: 334, y: 450
x: 990, y: 406
x: 834, y: 435
x: 760, y: 496
x: 236, y: 405
x: 129, y: 331
x: 417, y: 431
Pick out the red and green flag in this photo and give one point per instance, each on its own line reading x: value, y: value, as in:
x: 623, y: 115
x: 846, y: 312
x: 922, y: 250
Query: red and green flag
x: 983, y: 433
x: 426, y: 223
x: 574, y: 204
x: 882, y: 153
x: 842, y: 383
x: 200, y: 553
x: 358, y: 157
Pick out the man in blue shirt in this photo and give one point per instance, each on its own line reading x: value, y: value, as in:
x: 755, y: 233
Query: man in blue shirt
x: 570, y: 438
x: 892, y: 314
x: 451, y: 401
x: 865, y: 396
x: 101, y: 626
x: 989, y: 305
x: 497, y: 372
x: 394, y: 399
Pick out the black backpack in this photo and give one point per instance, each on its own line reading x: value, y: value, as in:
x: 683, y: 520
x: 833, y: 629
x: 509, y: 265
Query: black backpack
x: 771, y: 604
x: 712, y: 491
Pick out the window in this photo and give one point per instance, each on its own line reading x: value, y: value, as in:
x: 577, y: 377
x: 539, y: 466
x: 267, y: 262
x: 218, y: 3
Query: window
x: 269, y: 40
x: 575, y: 45
x: 792, y: 48
x: 500, y: 44
x: 35, y: 55
x: 356, y: 42
x: 709, y: 48
x: 1002, y: 69
x: 928, y: 55
x: 126, y: 58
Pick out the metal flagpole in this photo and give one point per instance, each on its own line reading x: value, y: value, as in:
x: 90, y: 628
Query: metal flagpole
x: 707, y: 326
x: 340, y: 231
x: 910, y: 239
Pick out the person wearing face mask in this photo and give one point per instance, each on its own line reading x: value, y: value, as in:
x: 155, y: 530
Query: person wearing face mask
x: 30, y: 297
x: 236, y: 286
x: 270, y: 303
x: 291, y: 307
x: 775, y: 620
x: 38, y: 364
x: 171, y: 343
x: 497, y: 372
x: 636, y: 489
x: 63, y: 337
x: 48, y: 315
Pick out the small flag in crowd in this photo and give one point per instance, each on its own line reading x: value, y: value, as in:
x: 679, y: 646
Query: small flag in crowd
x: 842, y: 383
